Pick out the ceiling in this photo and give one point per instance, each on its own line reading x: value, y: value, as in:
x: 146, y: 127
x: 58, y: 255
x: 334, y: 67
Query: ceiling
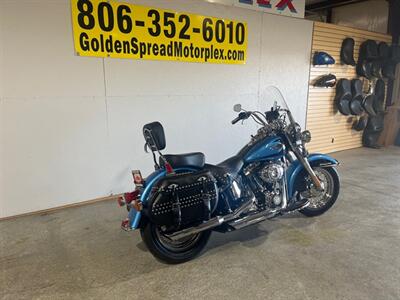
x: 313, y: 1
x: 318, y: 5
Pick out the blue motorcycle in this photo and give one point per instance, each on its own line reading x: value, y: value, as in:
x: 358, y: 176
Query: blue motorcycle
x: 178, y: 206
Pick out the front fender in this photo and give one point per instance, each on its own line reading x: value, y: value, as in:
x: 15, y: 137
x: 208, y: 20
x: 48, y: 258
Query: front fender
x: 296, y: 167
x: 134, y: 216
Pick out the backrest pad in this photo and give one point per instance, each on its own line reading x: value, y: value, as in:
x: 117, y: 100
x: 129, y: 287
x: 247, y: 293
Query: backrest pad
x: 154, y: 135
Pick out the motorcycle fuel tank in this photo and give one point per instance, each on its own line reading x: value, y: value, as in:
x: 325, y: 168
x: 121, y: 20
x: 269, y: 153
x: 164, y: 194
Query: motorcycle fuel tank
x: 269, y: 148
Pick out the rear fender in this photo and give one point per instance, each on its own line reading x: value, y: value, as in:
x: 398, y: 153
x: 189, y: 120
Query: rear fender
x: 135, y: 216
x: 296, y: 167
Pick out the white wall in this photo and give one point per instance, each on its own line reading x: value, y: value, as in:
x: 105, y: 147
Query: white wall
x: 70, y: 127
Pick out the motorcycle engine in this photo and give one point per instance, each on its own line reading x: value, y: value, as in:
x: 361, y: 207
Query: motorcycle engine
x: 272, y: 172
x: 272, y: 175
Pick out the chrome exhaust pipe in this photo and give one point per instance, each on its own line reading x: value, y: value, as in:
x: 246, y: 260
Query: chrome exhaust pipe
x: 214, y: 222
x: 253, y: 219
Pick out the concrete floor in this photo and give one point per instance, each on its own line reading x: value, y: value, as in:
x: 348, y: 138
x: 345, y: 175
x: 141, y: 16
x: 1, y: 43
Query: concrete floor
x: 351, y: 252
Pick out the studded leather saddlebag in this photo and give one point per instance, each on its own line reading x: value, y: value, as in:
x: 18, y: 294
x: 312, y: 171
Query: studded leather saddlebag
x: 182, y: 200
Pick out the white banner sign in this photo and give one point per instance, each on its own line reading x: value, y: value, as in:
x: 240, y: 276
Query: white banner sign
x: 291, y: 8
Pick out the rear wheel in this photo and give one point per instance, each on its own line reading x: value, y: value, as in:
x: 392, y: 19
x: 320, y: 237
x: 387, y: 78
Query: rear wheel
x: 170, y: 251
x: 321, y: 201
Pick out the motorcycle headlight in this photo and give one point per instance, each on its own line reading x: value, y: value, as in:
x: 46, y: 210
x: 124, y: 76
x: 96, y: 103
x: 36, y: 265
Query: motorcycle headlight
x: 306, y: 136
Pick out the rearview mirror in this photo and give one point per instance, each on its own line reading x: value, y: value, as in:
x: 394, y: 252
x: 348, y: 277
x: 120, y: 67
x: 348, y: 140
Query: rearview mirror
x: 237, y: 107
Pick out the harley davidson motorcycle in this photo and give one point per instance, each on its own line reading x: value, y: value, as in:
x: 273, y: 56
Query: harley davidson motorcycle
x: 178, y: 205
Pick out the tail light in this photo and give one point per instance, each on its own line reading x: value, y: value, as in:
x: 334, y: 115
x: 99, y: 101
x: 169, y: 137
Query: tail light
x: 121, y: 201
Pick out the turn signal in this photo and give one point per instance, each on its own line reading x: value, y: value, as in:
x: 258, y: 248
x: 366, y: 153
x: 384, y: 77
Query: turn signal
x: 121, y: 201
x: 306, y: 136
x: 137, y: 205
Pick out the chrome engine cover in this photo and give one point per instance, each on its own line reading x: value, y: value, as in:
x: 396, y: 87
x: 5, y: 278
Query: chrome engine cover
x: 272, y: 172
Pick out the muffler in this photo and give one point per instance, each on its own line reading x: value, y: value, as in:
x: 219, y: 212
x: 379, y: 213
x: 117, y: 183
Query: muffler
x: 212, y: 223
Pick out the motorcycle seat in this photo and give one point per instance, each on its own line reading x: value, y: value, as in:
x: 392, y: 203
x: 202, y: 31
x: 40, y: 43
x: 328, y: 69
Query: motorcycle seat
x: 357, y: 93
x: 368, y: 104
x: 361, y: 123
x: 232, y: 165
x: 347, y: 52
x: 226, y: 171
x: 193, y: 160
x: 379, y: 98
x: 343, y: 96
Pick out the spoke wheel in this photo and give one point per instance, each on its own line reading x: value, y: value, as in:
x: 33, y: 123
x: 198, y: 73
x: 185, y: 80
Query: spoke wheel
x: 321, y: 201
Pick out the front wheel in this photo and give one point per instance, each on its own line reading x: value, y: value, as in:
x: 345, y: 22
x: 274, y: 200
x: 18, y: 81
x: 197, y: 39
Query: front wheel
x: 169, y: 251
x: 321, y: 201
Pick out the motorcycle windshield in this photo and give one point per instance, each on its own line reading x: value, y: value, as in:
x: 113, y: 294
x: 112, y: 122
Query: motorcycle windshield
x: 272, y: 97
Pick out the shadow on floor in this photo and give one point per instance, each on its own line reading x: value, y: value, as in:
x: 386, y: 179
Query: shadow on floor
x: 249, y: 237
